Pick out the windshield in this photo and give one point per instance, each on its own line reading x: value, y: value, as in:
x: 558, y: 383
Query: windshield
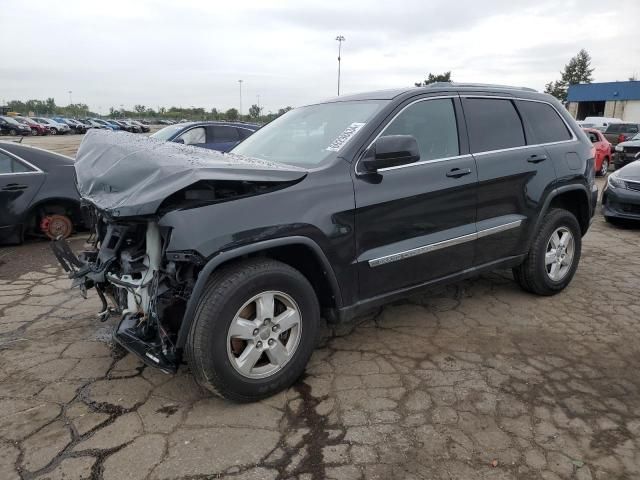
x: 636, y: 137
x: 308, y: 135
x: 167, y: 132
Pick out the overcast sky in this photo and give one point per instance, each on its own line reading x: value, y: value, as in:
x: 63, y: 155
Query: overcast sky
x: 190, y: 52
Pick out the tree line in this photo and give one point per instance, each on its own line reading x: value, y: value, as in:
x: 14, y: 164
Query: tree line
x: 80, y: 110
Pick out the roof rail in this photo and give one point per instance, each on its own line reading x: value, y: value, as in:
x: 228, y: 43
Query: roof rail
x: 481, y: 85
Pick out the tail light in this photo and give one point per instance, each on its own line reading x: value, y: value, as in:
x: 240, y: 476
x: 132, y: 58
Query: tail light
x: 621, y: 138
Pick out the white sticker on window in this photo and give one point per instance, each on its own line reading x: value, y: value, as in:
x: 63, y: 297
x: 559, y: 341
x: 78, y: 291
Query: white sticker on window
x: 344, y: 137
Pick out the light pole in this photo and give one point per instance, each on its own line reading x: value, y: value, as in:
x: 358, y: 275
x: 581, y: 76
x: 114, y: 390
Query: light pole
x: 70, y: 101
x: 240, y: 113
x: 340, y: 39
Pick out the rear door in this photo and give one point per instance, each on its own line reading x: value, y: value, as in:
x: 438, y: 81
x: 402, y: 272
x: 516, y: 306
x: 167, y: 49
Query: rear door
x: 416, y: 222
x: 513, y: 175
x: 19, y: 183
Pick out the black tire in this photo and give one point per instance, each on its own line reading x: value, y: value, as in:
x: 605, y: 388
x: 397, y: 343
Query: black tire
x: 12, y: 132
x: 532, y: 273
x: 227, y: 291
x: 53, y: 131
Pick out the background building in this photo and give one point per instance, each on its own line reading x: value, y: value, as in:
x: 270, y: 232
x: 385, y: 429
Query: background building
x: 609, y: 99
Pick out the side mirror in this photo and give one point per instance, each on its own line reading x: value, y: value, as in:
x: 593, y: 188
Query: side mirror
x: 391, y: 151
x: 179, y: 140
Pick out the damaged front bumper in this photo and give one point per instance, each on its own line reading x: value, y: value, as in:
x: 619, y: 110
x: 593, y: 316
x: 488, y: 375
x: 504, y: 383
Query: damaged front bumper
x: 127, y: 268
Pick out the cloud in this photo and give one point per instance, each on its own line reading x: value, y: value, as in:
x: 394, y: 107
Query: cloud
x: 193, y: 53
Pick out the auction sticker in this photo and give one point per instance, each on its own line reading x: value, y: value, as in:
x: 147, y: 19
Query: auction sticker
x: 344, y: 137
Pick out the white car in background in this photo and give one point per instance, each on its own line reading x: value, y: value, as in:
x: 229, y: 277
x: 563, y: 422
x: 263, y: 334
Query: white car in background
x: 56, y: 128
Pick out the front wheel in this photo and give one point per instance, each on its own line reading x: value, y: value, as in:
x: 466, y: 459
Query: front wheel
x: 53, y: 131
x: 12, y: 132
x: 254, y: 330
x: 554, y: 255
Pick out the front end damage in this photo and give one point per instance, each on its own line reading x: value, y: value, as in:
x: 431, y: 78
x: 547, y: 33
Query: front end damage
x: 128, y: 184
x: 126, y: 264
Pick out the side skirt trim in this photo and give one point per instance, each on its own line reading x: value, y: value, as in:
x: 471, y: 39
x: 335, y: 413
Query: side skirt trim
x: 394, y: 257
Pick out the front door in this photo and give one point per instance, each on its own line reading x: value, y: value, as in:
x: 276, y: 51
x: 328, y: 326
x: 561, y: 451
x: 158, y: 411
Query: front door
x: 416, y: 222
x: 19, y: 183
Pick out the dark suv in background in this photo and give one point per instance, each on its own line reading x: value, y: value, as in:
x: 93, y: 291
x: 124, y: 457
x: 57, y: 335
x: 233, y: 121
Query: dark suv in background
x: 620, y: 132
x: 332, y: 209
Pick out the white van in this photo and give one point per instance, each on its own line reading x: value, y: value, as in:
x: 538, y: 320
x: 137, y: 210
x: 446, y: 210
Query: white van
x: 601, y: 123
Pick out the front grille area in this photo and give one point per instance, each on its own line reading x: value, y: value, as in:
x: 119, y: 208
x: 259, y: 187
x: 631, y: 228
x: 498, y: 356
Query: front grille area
x: 633, y: 186
x: 631, y: 149
x: 629, y: 208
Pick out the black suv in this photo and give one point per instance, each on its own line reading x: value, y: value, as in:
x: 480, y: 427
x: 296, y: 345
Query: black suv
x: 328, y: 211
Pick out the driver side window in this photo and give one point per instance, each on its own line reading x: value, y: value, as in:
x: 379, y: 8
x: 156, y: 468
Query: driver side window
x: 433, y: 124
x: 194, y: 136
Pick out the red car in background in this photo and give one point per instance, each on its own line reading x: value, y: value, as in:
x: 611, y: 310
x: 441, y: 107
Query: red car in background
x: 36, y: 128
x: 602, y: 150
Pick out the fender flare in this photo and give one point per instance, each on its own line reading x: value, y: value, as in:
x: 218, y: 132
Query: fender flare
x: 547, y: 202
x: 225, y: 256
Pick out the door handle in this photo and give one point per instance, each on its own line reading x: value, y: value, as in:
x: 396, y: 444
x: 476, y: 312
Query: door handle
x: 536, y: 158
x: 13, y: 187
x: 458, y: 172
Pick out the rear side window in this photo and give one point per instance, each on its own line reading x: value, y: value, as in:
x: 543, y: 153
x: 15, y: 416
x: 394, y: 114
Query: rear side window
x: 493, y: 124
x: 244, y: 133
x: 593, y: 137
x: 545, y: 122
x: 225, y: 134
x: 614, y: 128
x: 433, y: 124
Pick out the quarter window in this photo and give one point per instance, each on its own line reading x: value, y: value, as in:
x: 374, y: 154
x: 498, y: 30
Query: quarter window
x: 433, y: 124
x: 493, y: 124
x: 545, y: 122
x: 11, y: 165
x: 194, y: 136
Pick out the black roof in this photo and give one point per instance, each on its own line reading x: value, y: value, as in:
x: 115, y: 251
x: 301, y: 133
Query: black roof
x: 391, y: 94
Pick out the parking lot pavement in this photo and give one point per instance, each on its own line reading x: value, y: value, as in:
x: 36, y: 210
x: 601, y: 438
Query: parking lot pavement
x: 476, y: 380
x: 64, y: 144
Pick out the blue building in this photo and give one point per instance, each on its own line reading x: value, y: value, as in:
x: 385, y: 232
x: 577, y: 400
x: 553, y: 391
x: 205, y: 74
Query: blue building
x: 608, y: 99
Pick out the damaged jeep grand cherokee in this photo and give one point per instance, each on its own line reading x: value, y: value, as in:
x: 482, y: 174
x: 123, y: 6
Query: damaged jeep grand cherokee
x: 229, y: 261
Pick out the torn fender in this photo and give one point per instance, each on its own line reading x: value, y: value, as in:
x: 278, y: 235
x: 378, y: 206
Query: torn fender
x: 128, y: 175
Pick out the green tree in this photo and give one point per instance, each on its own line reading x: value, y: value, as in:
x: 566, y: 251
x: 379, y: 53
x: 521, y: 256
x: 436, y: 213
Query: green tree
x: 431, y: 78
x: 231, y: 114
x: 254, y: 111
x: 140, y: 109
x: 50, y: 105
x: 578, y: 70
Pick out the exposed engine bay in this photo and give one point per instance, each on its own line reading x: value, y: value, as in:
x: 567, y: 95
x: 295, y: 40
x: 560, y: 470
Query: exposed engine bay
x: 128, y: 185
x: 125, y: 266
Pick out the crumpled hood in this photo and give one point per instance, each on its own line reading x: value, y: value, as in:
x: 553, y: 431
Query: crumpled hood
x: 128, y: 175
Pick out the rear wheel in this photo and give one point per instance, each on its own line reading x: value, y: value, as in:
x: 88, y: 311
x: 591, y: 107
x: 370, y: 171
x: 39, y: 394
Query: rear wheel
x: 12, y: 132
x: 254, y: 330
x: 604, y: 168
x: 554, y: 255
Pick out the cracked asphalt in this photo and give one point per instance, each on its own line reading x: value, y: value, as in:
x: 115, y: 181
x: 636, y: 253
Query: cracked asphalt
x: 477, y: 380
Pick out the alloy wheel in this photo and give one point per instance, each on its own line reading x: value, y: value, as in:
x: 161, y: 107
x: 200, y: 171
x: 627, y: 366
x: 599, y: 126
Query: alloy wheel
x: 559, y: 254
x: 604, y: 168
x: 264, y: 334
